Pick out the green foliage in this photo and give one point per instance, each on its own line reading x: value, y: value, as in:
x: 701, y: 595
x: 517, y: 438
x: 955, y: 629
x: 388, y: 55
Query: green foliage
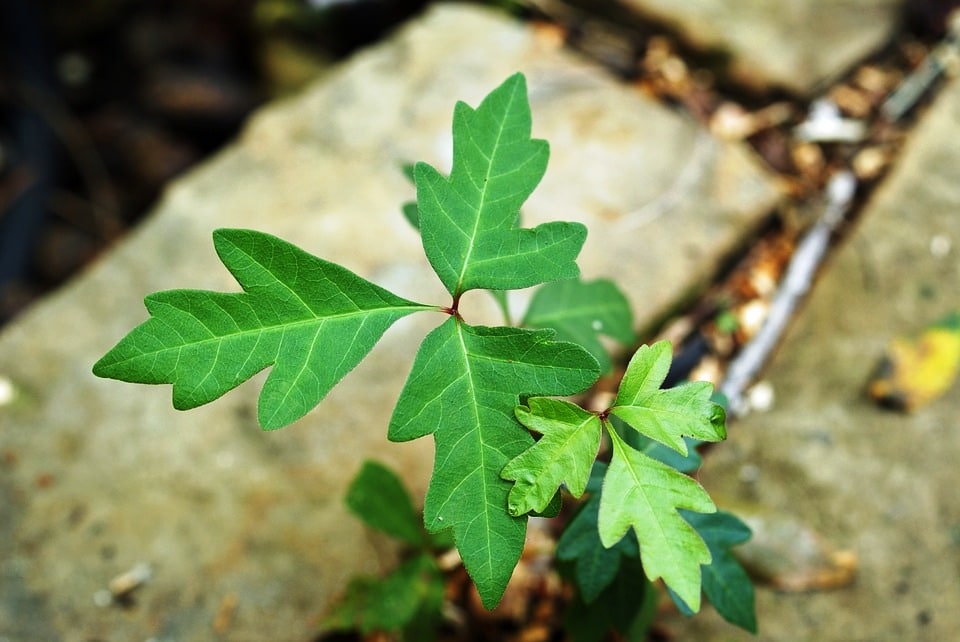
x: 639, y: 492
x: 725, y: 582
x: 565, y: 454
x: 312, y: 321
x: 667, y: 415
x: 463, y: 388
x: 594, y: 568
x: 643, y: 494
x: 581, y: 311
x: 408, y: 600
x: 594, y: 565
x: 377, y: 496
x: 627, y: 605
x: 468, y: 221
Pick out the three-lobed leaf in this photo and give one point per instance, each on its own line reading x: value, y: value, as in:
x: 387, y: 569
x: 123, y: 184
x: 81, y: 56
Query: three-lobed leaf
x: 463, y: 388
x: 581, y: 311
x: 468, y: 221
x: 639, y: 492
x: 644, y: 494
x: 667, y: 415
x: 310, y: 319
x: 564, y: 455
x: 313, y: 321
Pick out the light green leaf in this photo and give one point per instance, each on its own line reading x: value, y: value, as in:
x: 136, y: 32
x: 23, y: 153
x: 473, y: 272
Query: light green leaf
x: 581, y: 311
x: 377, y: 496
x: 725, y: 582
x: 565, y: 453
x: 684, y: 463
x: 666, y: 415
x: 312, y: 320
x: 463, y: 388
x: 644, y: 494
x: 468, y: 221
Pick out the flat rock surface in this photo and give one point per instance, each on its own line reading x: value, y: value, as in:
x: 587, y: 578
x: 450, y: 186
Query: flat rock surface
x: 794, y: 44
x: 876, y: 482
x: 245, y: 531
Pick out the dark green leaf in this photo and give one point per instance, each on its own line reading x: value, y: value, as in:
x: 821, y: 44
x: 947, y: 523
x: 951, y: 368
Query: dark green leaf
x: 595, y: 566
x: 312, y: 320
x: 377, y: 496
x: 582, y: 311
x: 463, y: 388
x: 627, y: 605
x: 412, y: 214
x: 553, y: 508
x: 725, y: 582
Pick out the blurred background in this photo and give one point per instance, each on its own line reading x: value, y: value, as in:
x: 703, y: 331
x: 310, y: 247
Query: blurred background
x: 104, y: 101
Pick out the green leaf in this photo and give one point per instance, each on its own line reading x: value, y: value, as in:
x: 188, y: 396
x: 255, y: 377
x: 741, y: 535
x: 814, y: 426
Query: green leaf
x: 312, y: 320
x: 553, y: 507
x: 378, y: 497
x: 644, y: 494
x: 725, y: 582
x: 580, y: 312
x: 414, y: 590
x: 628, y: 605
x: 595, y: 566
x: 409, y: 209
x: 463, y: 388
x: 412, y: 214
x: 684, y: 463
x: 468, y: 221
x: 565, y: 453
x: 666, y: 415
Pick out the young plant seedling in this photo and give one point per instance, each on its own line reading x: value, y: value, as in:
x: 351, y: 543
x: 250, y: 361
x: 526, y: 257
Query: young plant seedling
x: 312, y: 321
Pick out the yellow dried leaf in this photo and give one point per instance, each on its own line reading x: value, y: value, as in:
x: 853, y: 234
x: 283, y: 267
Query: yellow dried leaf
x: 916, y: 370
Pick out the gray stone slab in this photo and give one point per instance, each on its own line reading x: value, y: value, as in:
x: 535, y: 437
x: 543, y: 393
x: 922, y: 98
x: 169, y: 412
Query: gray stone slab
x: 795, y: 44
x: 877, y: 482
x: 97, y: 476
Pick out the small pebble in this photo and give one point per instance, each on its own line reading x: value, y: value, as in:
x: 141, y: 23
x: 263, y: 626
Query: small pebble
x: 6, y: 391
x: 760, y: 396
x: 940, y: 246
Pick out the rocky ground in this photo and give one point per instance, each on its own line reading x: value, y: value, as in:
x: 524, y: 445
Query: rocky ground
x: 245, y: 532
